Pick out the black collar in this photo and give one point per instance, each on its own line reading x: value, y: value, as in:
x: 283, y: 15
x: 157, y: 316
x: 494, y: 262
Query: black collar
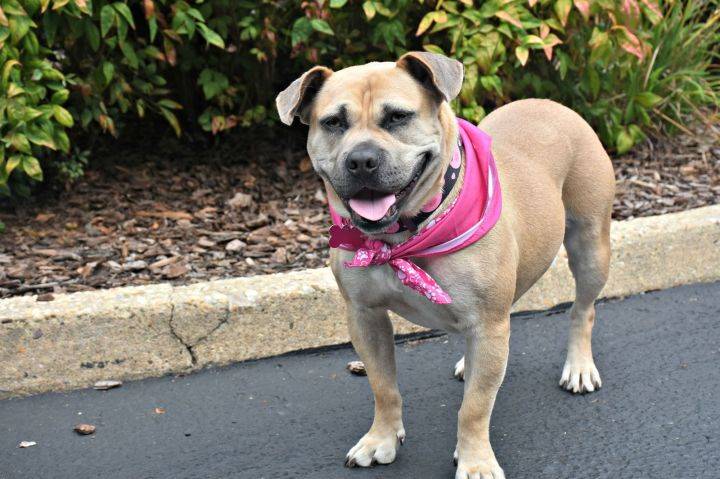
x: 452, y: 174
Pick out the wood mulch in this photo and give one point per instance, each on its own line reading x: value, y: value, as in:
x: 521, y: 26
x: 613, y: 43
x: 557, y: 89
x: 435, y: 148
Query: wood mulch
x: 157, y: 211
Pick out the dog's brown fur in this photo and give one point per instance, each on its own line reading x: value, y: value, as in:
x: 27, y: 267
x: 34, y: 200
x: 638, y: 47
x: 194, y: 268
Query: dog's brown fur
x: 558, y: 187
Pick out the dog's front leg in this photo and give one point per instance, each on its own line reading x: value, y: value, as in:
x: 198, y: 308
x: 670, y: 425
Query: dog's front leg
x: 371, y: 333
x: 485, y: 361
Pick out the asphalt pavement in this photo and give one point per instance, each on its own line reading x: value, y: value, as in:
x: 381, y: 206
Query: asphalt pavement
x: 295, y: 416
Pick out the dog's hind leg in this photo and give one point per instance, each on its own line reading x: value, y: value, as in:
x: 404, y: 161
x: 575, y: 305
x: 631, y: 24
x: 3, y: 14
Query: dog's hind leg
x: 371, y: 333
x: 587, y: 241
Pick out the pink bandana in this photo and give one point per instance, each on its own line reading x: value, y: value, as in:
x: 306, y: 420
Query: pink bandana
x: 467, y: 219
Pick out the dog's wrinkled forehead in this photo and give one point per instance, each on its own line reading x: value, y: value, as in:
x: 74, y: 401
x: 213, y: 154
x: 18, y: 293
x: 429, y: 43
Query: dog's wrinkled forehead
x: 418, y: 78
x: 365, y: 92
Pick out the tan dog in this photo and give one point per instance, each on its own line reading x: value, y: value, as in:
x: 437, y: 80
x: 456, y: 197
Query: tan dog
x: 383, y: 126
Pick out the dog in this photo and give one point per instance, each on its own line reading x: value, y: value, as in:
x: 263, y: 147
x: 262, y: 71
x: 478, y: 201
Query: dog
x: 384, y: 128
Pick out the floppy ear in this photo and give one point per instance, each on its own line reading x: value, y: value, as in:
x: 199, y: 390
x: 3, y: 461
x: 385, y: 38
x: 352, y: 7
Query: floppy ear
x: 438, y: 73
x: 295, y: 99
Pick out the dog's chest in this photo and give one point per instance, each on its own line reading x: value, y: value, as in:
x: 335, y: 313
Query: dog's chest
x: 379, y: 286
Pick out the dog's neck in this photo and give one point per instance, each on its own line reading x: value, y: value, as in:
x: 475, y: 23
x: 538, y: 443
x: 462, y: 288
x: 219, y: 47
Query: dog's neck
x: 449, y: 189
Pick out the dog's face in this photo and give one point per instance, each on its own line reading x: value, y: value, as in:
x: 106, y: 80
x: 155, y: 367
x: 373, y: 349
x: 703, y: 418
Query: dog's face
x: 379, y: 133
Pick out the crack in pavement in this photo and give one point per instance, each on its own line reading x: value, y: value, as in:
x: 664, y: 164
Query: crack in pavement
x: 171, y: 325
x: 190, y: 348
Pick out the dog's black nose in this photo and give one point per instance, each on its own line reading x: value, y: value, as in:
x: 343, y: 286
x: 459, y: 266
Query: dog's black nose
x: 363, y: 160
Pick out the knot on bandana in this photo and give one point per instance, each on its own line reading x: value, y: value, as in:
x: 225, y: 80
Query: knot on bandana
x: 376, y: 252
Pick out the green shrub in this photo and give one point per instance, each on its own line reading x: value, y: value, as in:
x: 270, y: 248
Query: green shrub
x: 72, y: 68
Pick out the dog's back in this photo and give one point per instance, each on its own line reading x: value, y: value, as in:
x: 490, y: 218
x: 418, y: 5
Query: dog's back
x: 557, y: 179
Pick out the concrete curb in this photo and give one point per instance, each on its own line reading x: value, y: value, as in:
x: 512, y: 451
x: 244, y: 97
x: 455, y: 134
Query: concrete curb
x: 136, y: 332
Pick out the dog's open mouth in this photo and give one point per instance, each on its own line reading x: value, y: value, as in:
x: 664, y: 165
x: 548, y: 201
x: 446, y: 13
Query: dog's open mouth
x: 376, y: 208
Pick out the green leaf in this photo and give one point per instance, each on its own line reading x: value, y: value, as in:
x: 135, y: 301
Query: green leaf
x: 369, y: 9
x: 562, y: 10
x: 172, y: 119
x: 14, y: 8
x: 12, y: 163
x: 425, y: 23
x: 491, y: 82
x: 7, y: 69
x: 40, y: 137
x: 212, y: 82
x: 122, y: 29
x: 86, y: 117
x: 337, y: 3
x: 321, y: 26
x: 19, y: 27
x: 93, y: 35
x: 129, y: 54
x: 522, y: 54
x: 152, y: 24
x: 31, y: 167
x: 593, y: 82
x: 124, y: 11
x: 61, y: 140
x: 210, y: 36
x: 301, y: 31
x: 195, y: 13
x: 648, y: 99
x: 107, y: 17
x: 167, y: 103
x: 108, y: 70
x: 429, y: 47
x: 19, y: 141
x: 62, y: 116
x: 624, y: 142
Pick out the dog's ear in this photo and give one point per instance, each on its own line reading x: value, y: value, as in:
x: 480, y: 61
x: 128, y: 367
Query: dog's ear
x: 438, y: 73
x: 295, y: 99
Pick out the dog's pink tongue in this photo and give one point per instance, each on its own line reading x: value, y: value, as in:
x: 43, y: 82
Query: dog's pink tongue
x: 373, y: 208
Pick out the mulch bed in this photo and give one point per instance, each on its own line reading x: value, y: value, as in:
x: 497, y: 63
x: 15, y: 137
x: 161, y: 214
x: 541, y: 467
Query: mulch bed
x: 153, y: 211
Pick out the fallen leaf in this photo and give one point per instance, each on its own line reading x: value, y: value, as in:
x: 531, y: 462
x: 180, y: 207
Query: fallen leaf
x: 164, y: 262
x: 280, y: 256
x: 114, y: 266
x: 45, y: 252
x: 205, y: 243
x: 320, y: 197
x: 84, y: 429
x: 134, y: 265
x: 173, y: 215
x: 240, y: 200
x: 175, y: 270
x: 87, y: 269
x: 44, y: 217
x: 107, y: 384
x: 305, y: 165
x: 357, y: 368
x: 235, y: 245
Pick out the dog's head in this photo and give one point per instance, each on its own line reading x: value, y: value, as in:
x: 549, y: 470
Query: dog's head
x: 381, y: 134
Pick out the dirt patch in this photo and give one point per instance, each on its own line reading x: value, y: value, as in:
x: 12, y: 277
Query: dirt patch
x: 185, y: 215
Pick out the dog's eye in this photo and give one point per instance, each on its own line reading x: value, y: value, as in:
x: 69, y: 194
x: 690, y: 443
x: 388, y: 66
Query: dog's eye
x: 396, y: 118
x: 333, y: 123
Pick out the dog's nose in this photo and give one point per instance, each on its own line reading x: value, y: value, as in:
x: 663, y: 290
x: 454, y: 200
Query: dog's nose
x: 363, y: 160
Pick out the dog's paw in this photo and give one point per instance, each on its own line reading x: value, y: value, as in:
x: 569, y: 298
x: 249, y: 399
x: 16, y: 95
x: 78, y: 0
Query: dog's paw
x: 580, y: 377
x: 460, y: 369
x: 375, y: 448
x: 487, y: 469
